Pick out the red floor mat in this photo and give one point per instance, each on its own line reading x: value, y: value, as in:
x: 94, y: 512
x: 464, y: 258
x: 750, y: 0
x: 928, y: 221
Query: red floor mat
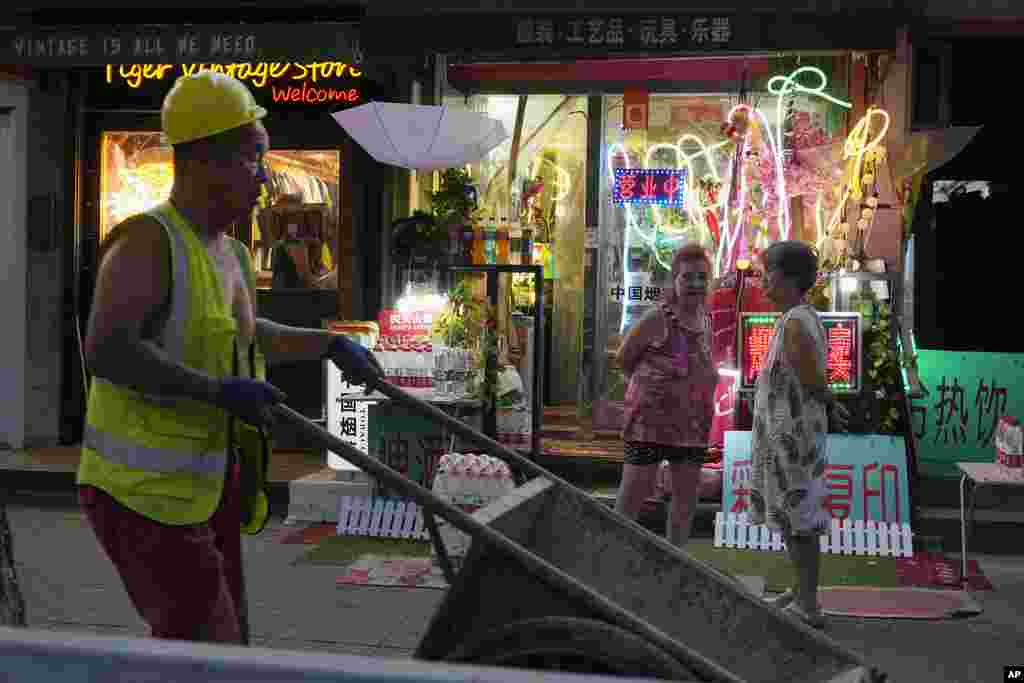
x: 896, y: 603
x: 936, y: 570
x: 310, y: 535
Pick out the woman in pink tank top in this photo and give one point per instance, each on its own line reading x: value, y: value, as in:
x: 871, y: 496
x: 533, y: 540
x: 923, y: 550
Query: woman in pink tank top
x: 666, y: 358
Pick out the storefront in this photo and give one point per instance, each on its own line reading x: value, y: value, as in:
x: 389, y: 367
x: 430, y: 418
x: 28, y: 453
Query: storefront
x: 624, y: 145
x: 105, y: 89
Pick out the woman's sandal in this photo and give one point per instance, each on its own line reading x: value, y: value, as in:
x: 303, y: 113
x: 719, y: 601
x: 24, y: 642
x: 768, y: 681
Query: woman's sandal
x: 813, y: 619
x: 782, y: 600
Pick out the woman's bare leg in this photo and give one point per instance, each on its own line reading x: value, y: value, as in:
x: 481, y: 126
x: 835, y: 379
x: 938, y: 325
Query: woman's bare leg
x: 636, y: 487
x: 684, y: 485
x: 806, y: 556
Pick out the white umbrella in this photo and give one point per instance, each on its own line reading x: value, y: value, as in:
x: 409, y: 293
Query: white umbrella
x: 420, y: 137
x: 931, y: 150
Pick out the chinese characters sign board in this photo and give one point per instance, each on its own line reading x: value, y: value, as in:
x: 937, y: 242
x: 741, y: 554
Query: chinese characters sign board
x: 843, y: 331
x: 626, y: 33
x: 967, y: 395
x: 405, y: 325
x: 180, y: 44
x: 635, y: 294
x: 636, y: 290
x: 866, y: 477
x: 406, y: 442
x: 348, y: 416
x: 661, y: 186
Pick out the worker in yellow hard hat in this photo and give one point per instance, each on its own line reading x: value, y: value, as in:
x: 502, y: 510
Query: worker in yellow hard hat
x: 176, y: 352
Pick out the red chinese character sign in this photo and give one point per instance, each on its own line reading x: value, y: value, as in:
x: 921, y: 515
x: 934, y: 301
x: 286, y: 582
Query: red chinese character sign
x: 756, y: 333
x: 843, y: 352
x: 660, y: 186
x: 636, y: 105
x: 843, y: 332
x: 866, y: 476
x: 398, y: 325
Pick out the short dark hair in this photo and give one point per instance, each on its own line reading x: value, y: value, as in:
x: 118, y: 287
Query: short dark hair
x: 795, y: 260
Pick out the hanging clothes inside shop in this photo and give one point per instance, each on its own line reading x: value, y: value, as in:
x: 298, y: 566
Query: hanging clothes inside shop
x: 289, y: 180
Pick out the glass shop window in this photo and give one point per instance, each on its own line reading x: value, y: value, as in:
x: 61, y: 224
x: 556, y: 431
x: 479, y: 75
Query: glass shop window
x: 542, y: 184
x: 297, y: 212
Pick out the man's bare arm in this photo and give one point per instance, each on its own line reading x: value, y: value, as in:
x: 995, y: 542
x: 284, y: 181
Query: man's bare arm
x: 287, y: 344
x: 131, y: 287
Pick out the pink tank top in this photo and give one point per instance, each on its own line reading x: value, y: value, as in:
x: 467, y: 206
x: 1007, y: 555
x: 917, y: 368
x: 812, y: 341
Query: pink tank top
x: 669, y: 400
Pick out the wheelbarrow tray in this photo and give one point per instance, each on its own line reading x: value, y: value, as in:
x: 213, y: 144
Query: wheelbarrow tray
x: 710, y: 615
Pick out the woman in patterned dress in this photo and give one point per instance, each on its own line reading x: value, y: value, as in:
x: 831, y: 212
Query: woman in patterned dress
x: 666, y: 358
x: 791, y: 410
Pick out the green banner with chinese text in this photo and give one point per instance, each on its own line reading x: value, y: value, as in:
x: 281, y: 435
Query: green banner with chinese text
x: 967, y: 394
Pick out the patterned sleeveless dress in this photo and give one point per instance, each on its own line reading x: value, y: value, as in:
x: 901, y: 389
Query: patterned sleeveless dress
x: 669, y: 400
x: 788, y: 441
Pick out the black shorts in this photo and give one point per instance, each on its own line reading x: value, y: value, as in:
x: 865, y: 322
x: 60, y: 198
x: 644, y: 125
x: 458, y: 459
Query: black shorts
x: 645, y: 453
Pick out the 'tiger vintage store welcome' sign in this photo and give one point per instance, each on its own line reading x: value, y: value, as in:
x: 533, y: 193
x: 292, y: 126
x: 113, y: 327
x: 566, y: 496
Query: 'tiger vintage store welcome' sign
x: 288, y: 81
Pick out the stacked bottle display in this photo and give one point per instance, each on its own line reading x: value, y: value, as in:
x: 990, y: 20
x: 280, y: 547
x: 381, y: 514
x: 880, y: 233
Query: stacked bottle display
x: 498, y: 242
x: 407, y: 365
x: 451, y: 368
x: 472, y: 479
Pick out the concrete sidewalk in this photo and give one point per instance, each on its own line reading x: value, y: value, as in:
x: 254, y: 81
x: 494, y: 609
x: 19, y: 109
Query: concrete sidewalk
x: 69, y: 585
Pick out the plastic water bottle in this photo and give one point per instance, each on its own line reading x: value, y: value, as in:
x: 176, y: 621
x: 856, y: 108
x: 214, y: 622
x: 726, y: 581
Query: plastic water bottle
x: 492, y: 471
x: 507, y: 484
x: 440, y: 486
x: 478, y: 479
x: 415, y: 358
x: 456, y: 479
x: 383, y: 353
x: 405, y: 369
x: 428, y: 366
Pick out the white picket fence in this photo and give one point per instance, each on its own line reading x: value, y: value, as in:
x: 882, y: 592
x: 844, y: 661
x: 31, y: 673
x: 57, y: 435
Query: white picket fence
x: 845, y: 537
x: 380, y: 517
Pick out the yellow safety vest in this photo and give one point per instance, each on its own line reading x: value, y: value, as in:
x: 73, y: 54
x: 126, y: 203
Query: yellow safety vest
x: 166, y: 458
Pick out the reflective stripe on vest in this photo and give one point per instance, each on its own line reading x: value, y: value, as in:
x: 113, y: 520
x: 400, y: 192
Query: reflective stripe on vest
x: 131, y: 454
x: 171, y: 339
x: 172, y: 336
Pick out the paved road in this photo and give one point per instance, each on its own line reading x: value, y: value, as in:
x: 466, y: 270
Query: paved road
x: 69, y: 585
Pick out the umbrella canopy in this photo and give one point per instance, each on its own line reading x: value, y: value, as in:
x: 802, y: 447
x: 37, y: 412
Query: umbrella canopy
x: 420, y: 137
x: 931, y: 150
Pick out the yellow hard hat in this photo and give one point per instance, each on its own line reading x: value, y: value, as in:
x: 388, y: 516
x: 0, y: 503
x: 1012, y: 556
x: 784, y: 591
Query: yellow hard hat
x: 207, y: 103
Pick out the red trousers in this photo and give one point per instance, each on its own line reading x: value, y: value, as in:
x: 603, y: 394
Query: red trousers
x: 185, y: 581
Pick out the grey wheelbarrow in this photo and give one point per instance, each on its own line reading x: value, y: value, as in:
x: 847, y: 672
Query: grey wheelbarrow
x: 555, y: 580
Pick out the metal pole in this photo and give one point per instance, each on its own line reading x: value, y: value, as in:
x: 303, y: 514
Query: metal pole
x: 491, y: 361
x: 963, y: 529
x: 538, y: 361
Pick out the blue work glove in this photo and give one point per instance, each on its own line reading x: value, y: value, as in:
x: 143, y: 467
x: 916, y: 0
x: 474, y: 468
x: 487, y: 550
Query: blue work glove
x: 249, y: 400
x: 356, y: 362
